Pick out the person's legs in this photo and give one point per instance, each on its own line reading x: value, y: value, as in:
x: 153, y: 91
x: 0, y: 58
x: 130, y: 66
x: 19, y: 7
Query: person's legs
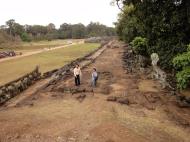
x: 93, y: 82
x: 78, y: 76
x: 76, y: 81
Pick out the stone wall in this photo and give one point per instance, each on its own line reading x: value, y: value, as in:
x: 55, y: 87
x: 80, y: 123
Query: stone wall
x: 135, y: 63
x: 5, y: 54
x: 17, y: 86
x: 98, y: 39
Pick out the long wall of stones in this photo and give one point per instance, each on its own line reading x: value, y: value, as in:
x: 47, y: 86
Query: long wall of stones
x: 17, y: 86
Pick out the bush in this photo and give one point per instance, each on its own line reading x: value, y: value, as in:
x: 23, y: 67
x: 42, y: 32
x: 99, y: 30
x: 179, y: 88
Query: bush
x: 183, y: 78
x: 25, y: 37
x: 181, y: 60
x: 188, y: 48
x: 139, y: 45
x: 182, y: 64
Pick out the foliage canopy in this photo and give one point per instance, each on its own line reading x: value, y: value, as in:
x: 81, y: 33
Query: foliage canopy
x: 165, y: 23
x: 49, y: 32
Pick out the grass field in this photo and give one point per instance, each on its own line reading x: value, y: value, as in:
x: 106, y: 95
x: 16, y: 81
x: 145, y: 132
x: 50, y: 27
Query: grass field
x: 12, y: 69
x: 24, y: 46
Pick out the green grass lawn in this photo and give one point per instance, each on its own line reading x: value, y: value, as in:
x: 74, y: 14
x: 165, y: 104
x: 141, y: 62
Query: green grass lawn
x: 24, y: 46
x: 12, y: 69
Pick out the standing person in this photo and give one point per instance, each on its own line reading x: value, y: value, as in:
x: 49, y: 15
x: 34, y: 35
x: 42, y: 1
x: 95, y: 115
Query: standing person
x: 94, y: 77
x: 77, y: 75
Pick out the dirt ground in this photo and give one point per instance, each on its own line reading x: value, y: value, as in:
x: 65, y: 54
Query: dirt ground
x: 64, y: 113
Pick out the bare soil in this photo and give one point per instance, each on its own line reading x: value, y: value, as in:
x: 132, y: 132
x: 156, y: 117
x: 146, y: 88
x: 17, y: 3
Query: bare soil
x: 65, y: 113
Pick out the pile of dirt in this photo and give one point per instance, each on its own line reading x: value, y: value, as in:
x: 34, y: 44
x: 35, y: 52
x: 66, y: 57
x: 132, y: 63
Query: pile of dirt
x: 121, y: 100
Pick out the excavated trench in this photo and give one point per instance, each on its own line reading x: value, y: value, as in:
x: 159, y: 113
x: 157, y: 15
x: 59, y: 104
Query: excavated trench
x: 126, y: 106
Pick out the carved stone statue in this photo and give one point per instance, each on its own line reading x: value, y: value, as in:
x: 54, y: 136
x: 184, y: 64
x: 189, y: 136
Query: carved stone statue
x: 155, y: 59
x: 157, y: 72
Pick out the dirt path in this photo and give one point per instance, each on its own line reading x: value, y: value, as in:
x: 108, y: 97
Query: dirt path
x: 38, y: 51
x: 56, y: 114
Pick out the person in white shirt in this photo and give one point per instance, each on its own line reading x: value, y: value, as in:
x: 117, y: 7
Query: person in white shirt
x: 77, y: 75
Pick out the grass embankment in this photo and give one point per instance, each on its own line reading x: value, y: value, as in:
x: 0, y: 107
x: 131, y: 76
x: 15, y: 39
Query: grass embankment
x: 12, y: 69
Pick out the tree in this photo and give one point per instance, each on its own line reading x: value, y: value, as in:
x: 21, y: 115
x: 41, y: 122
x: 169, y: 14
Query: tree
x: 110, y: 31
x: 78, y: 31
x: 51, y: 27
x: 3, y: 27
x: 128, y: 26
x: 14, y: 29
x: 18, y: 29
x: 97, y: 29
x: 38, y: 32
x: 10, y: 23
x: 165, y: 23
x: 49, y: 32
x: 52, y: 32
x: 65, y: 31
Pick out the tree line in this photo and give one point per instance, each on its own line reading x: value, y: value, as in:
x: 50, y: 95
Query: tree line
x: 49, y: 32
x: 162, y: 27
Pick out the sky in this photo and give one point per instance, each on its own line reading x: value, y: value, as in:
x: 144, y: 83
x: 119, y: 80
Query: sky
x: 43, y: 12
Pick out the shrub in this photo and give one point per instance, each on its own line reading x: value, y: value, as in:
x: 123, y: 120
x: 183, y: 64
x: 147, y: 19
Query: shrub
x: 183, y: 78
x: 139, y: 45
x: 182, y: 64
x: 188, y: 47
x: 25, y: 37
x: 181, y: 60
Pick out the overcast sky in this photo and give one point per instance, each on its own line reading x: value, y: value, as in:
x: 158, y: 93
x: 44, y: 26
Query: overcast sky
x: 58, y: 11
